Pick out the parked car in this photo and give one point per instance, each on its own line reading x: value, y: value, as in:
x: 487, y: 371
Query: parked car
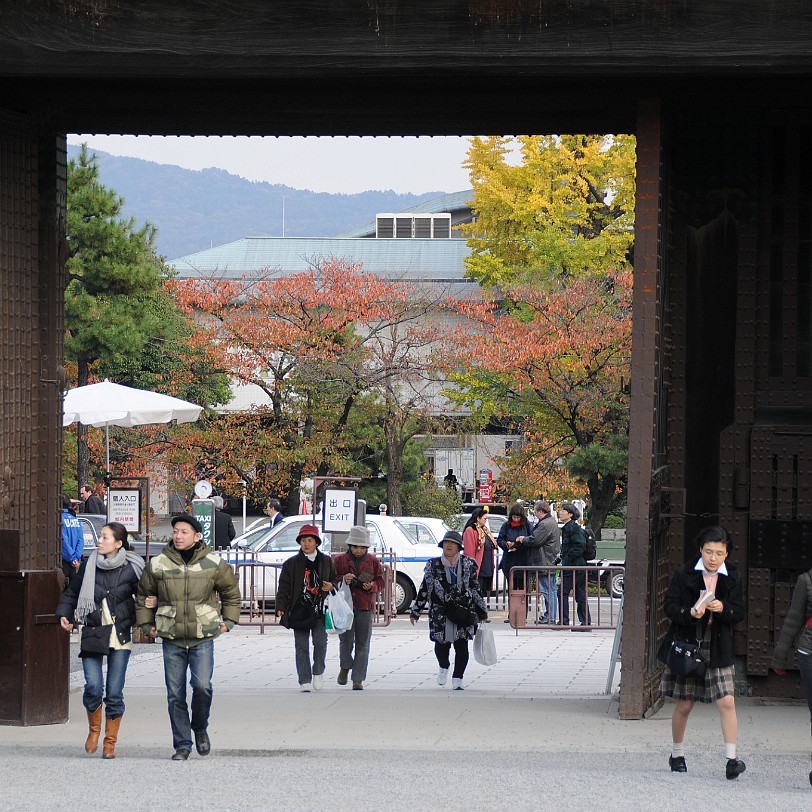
x: 274, y: 546
x: 495, y: 522
x: 424, y: 529
x: 92, y: 523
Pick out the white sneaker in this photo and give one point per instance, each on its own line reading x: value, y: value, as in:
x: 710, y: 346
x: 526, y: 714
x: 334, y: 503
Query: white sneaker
x: 305, y: 687
x: 456, y: 683
x: 442, y: 676
x: 318, y: 682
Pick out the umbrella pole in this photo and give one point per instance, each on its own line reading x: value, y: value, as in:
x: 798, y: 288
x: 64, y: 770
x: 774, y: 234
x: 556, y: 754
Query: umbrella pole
x: 107, y: 449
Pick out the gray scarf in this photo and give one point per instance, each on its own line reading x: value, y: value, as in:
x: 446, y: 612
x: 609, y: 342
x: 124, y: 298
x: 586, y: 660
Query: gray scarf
x: 87, y: 600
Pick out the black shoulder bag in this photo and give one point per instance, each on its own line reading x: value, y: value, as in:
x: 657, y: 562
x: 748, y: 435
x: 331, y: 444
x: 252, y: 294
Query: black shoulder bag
x: 685, y: 659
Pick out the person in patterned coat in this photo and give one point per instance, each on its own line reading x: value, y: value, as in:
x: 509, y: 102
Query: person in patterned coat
x: 452, y: 575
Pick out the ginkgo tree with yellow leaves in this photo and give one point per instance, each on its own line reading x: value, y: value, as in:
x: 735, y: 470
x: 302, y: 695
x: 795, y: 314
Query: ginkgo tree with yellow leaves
x: 551, y: 241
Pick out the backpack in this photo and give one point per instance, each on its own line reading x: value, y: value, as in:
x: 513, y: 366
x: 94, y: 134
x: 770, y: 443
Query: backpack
x: 591, y: 551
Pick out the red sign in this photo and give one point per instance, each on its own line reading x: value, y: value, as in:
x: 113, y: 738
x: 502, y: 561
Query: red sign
x: 486, y: 494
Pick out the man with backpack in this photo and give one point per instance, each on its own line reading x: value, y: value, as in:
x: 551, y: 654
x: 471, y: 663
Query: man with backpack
x: 573, y: 547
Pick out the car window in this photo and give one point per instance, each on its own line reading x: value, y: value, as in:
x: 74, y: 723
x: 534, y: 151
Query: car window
x: 88, y: 532
x: 375, y: 537
x: 417, y: 532
x: 284, y: 540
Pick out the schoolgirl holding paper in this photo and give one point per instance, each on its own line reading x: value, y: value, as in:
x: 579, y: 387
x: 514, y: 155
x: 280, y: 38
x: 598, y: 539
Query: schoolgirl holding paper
x: 712, y: 624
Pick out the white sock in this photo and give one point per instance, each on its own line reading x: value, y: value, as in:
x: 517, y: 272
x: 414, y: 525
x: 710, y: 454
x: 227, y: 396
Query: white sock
x: 730, y: 750
x: 678, y: 749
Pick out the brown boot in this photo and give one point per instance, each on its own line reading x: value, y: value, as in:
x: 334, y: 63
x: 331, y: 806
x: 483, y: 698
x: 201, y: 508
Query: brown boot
x: 94, y: 723
x: 111, y: 736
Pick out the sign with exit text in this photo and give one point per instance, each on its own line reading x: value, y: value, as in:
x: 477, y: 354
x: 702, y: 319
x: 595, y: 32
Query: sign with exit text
x: 338, y: 513
x: 124, y: 507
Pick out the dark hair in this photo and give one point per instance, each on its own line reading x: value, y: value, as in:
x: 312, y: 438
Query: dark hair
x: 571, y: 509
x: 66, y: 502
x: 275, y: 504
x: 119, y: 533
x: 475, y: 514
x: 714, y: 533
x: 85, y: 488
x: 518, y: 510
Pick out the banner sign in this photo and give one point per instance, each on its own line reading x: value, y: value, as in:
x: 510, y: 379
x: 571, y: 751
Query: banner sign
x: 203, y: 511
x: 338, y: 511
x: 124, y: 507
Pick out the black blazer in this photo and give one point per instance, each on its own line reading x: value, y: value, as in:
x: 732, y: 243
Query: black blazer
x: 683, y: 593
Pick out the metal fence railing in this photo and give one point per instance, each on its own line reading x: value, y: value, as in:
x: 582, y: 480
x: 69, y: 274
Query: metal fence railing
x: 558, y: 597
x: 259, y: 581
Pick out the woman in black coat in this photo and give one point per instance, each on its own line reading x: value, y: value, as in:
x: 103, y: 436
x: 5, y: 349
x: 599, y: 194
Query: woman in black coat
x: 711, y: 624
x: 796, y: 633
x: 102, y: 594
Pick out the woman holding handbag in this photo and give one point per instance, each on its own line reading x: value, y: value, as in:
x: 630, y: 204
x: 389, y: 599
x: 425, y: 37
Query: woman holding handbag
x: 303, y: 583
x: 703, y: 602
x: 455, y: 606
x: 797, y: 632
x: 101, y: 596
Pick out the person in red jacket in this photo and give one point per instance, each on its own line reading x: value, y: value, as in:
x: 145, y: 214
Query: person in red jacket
x: 479, y: 544
x: 363, y: 572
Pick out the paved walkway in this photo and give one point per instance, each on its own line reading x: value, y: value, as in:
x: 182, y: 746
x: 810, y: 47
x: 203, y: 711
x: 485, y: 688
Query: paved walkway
x: 533, y: 732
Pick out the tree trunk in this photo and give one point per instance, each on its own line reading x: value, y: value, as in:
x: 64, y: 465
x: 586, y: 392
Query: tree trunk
x: 394, y: 470
x: 601, y: 494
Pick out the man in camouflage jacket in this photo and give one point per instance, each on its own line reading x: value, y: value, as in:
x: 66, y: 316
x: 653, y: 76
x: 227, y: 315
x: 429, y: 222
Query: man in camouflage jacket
x: 187, y: 596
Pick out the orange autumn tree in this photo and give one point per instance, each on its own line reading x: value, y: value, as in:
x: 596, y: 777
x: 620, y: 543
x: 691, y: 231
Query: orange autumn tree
x: 312, y: 344
x: 553, y: 362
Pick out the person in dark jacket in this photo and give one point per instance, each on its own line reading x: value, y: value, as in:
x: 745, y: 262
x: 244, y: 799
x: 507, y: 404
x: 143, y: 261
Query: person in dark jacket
x: 516, y: 527
x: 103, y: 593
x: 573, y: 546
x: 303, y: 582
x: 452, y: 573
x: 273, y: 509
x: 92, y: 502
x: 710, y: 622
x: 224, y: 530
x: 797, y: 633
x: 73, y: 541
x: 188, y: 596
x: 363, y: 572
x: 541, y: 549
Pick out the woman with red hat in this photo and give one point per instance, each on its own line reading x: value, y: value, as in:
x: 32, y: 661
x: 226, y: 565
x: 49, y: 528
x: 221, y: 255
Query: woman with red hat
x: 303, y: 583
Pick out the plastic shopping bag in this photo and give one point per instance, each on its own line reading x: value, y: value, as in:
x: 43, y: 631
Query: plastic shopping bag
x: 484, y: 646
x: 339, y: 607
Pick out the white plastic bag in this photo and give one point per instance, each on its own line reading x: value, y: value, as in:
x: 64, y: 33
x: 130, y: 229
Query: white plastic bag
x: 484, y: 646
x: 338, y: 604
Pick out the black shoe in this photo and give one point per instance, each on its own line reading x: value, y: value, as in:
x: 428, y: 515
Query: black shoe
x: 735, y: 767
x: 202, y: 742
x: 810, y: 778
x: 677, y: 764
x: 181, y: 754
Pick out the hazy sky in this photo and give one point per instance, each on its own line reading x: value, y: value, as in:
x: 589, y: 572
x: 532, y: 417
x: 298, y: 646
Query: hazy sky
x: 339, y: 164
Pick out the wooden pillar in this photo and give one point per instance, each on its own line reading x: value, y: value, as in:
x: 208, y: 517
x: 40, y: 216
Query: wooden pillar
x: 34, y: 665
x: 646, y: 374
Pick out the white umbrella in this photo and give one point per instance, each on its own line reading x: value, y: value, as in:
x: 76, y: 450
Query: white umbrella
x: 111, y: 404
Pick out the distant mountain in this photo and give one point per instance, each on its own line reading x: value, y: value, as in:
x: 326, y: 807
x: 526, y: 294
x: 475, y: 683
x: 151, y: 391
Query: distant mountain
x: 195, y: 209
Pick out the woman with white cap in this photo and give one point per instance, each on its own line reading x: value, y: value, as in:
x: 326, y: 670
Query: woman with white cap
x: 363, y: 572
x: 304, y: 581
x: 455, y: 606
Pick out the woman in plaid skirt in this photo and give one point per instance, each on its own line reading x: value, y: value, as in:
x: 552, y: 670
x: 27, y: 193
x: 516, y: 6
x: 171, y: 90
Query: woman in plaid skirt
x: 712, y: 625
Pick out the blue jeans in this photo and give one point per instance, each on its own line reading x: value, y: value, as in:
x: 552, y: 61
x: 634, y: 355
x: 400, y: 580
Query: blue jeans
x: 301, y: 638
x: 95, y: 690
x: 199, y: 660
x: 549, y: 588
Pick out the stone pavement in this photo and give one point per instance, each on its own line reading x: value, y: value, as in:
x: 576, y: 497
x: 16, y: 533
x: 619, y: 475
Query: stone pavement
x: 533, y: 732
